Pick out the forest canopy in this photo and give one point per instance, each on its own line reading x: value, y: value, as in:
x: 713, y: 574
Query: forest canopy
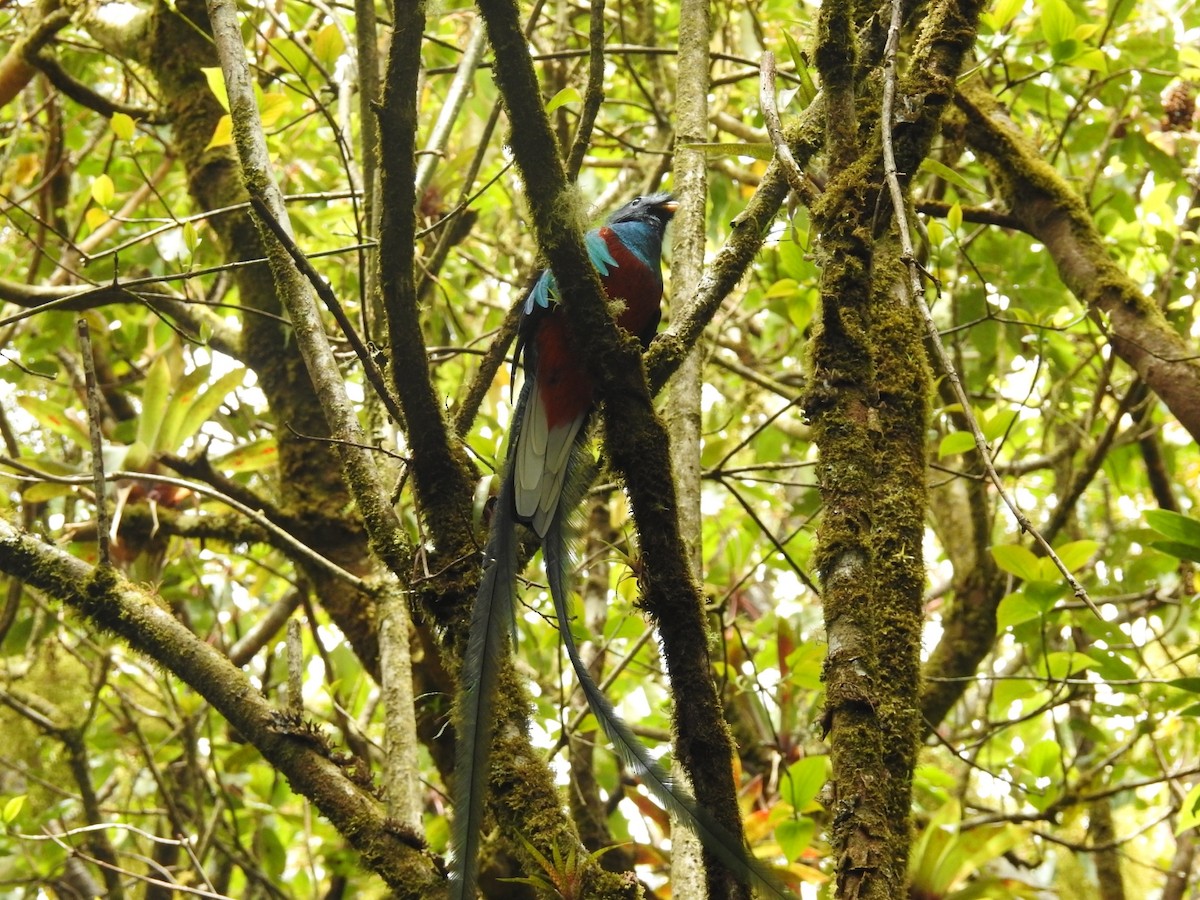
x: 890, y: 542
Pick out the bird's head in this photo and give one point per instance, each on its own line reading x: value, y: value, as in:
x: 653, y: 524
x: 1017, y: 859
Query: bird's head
x: 655, y: 210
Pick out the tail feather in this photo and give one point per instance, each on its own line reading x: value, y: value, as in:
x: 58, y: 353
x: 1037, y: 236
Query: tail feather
x: 492, y: 620
x: 683, y: 807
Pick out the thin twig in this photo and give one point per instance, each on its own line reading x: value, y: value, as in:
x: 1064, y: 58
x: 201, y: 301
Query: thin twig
x: 916, y: 296
x: 329, y: 298
x: 93, y: 409
x: 456, y: 97
x: 295, y: 668
x: 803, y: 187
x: 297, y: 546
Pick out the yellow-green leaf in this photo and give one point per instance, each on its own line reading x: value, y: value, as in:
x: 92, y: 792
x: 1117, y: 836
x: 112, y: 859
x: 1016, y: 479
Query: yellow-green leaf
x: 222, y: 134
x: 753, y: 150
x: 1002, y: 13
x: 252, y: 457
x: 216, y: 84
x: 12, y: 808
x: 103, y: 190
x: 122, y: 125
x: 1076, y: 553
x: 191, y: 237
x: 1093, y: 60
x: 273, y: 107
x: 95, y: 217
x: 562, y: 98
x: 328, y: 45
x: 1189, y: 812
x: 954, y: 217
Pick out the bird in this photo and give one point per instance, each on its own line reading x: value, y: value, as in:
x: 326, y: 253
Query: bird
x: 539, y: 490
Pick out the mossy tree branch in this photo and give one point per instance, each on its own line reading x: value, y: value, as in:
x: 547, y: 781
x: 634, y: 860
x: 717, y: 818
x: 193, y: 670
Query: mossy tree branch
x: 114, y: 605
x: 1047, y: 208
x: 636, y: 439
x: 443, y: 477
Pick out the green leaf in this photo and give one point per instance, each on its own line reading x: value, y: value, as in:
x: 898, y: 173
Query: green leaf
x: 1043, y: 592
x: 1076, y: 553
x: 102, y: 190
x: 54, y: 417
x: 216, y: 84
x: 1062, y: 664
x: 1183, y: 529
x: 1057, y: 21
x: 808, y: 89
x: 272, y: 854
x: 1017, y: 560
x: 562, y: 98
x: 1042, y: 760
x: 998, y: 424
x: 794, y: 836
x: 202, y: 408
x: 803, y: 780
x: 943, y: 171
x: 156, y: 397
x: 122, y: 125
x: 1063, y: 51
x: 1177, y: 549
x: 183, y: 396
x: 956, y: 442
x: 1015, y: 609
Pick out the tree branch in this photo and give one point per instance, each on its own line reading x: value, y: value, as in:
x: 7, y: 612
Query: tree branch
x: 442, y: 474
x: 388, y: 539
x: 300, y: 753
x: 634, y: 436
x: 1048, y: 209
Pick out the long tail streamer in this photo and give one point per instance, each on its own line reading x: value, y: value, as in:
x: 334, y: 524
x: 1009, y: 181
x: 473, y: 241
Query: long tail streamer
x: 715, y: 837
x: 492, y: 621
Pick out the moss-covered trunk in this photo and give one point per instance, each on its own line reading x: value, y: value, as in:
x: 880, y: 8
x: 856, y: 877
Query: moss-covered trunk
x: 868, y: 398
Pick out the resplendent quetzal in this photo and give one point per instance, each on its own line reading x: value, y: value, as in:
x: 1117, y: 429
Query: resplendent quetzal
x: 544, y: 449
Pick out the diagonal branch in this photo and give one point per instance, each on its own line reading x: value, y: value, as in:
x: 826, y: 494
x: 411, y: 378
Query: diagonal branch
x: 360, y: 472
x: 1046, y: 206
x: 635, y: 437
x: 144, y: 622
